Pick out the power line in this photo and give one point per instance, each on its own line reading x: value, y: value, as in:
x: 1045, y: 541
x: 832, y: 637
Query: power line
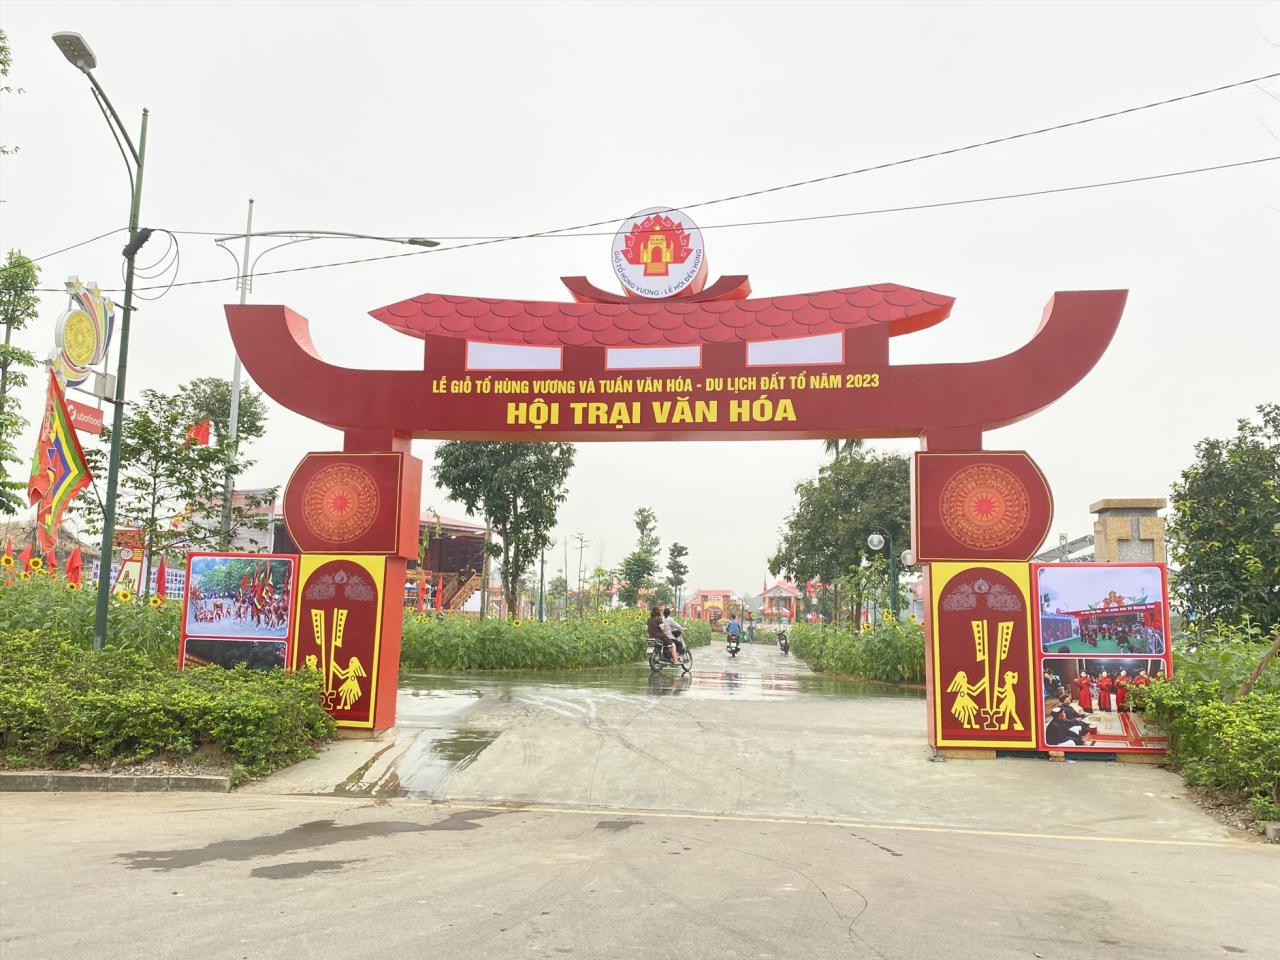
x: 765, y: 190
x: 75, y: 245
x: 1047, y: 191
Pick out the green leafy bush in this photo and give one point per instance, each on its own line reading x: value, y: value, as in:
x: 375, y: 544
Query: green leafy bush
x: 892, y: 650
x: 1231, y: 747
x: 60, y: 705
x: 461, y: 643
x: 47, y: 605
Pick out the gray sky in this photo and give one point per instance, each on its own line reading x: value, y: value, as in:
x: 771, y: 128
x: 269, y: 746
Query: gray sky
x: 442, y: 120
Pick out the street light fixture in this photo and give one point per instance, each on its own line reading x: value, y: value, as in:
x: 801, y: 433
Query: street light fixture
x: 882, y: 539
x: 78, y: 54
x: 244, y: 281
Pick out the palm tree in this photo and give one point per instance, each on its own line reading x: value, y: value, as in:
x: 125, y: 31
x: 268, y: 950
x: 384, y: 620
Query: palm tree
x: 841, y: 448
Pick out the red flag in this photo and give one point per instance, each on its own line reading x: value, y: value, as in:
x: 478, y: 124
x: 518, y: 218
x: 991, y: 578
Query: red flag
x: 24, y: 558
x: 161, y: 573
x: 50, y: 562
x: 440, y: 592
x: 423, y: 576
x: 198, y: 433
x: 244, y: 582
x: 75, y: 564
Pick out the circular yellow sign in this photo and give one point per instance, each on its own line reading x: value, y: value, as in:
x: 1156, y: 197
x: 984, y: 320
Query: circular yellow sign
x: 79, y: 338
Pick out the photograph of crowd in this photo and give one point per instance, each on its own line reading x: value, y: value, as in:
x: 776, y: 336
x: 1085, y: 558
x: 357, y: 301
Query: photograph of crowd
x: 1100, y: 609
x: 239, y: 596
x: 1089, y: 703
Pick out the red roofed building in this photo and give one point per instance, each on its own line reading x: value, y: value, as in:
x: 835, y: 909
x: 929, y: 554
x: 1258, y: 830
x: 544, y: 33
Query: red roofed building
x: 781, y: 602
x: 710, y: 605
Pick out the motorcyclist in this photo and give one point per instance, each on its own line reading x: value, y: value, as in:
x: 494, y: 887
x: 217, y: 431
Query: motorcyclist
x: 733, y: 631
x: 654, y: 627
x: 672, y: 631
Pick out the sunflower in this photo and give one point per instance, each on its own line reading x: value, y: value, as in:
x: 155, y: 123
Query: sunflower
x: 6, y: 561
x: 24, y: 575
x: 124, y: 596
x: 515, y: 623
x: 156, y: 602
x: 35, y: 564
x: 72, y: 586
x: 866, y: 628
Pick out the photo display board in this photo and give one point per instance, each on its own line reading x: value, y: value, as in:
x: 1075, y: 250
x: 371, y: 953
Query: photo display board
x: 238, y: 608
x: 1101, y: 630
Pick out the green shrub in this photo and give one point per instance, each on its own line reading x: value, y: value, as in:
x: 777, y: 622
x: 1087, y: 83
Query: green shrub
x: 46, y: 605
x: 462, y: 643
x: 893, y: 650
x: 60, y: 705
x: 1229, y: 747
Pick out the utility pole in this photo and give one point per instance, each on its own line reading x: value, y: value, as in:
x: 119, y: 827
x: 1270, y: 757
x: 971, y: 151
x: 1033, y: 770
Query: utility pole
x: 582, y: 545
x: 233, y: 420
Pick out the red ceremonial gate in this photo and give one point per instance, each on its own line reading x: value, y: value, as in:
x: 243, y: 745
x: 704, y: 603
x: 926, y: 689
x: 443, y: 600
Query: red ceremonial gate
x: 673, y: 359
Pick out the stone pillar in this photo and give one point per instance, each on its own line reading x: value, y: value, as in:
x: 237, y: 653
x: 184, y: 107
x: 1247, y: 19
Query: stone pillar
x: 1128, y: 531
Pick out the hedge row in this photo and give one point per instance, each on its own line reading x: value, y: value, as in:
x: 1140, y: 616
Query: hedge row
x: 61, y: 705
x: 456, y: 643
x: 891, y: 650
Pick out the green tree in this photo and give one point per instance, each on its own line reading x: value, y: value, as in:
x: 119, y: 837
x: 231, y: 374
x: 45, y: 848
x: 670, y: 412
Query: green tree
x: 516, y: 487
x: 169, y: 487
x: 6, y: 61
x: 1225, y: 526
x: 557, y: 596
x: 825, y: 537
x: 841, y: 448
x: 601, y: 586
x: 18, y: 306
x: 637, y: 570
x: 677, y: 569
x: 210, y: 399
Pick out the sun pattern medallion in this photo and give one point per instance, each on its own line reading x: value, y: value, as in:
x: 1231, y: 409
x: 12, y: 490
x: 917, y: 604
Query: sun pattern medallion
x: 340, y: 502
x: 985, y: 507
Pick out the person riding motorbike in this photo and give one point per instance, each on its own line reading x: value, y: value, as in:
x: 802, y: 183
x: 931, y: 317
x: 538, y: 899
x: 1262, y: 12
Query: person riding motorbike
x: 733, y: 631
x: 673, y: 632
x: 656, y: 633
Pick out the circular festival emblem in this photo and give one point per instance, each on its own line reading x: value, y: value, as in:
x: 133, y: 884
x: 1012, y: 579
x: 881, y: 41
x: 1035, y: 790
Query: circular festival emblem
x: 659, y: 253
x: 985, y: 507
x: 340, y: 502
x: 82, y: 334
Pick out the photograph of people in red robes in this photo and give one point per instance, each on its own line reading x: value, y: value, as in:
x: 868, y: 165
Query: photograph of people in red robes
x: 1089, y: 704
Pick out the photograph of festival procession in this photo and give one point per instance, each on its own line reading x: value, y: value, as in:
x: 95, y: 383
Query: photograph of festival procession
x: 1089, y: 703
x: 238, y: 596
x: 1099, y: 609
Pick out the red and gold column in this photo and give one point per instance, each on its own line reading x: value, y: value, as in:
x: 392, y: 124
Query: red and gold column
x: 354, y: 517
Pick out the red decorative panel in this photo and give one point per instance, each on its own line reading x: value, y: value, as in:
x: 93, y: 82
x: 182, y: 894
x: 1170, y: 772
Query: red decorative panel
x: 978, y: 506
x: 354, y: 503
x: 340, y: 608
x: 983, y: 670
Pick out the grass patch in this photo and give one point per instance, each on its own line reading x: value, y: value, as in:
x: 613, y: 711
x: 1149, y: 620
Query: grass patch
x: 892, y: 651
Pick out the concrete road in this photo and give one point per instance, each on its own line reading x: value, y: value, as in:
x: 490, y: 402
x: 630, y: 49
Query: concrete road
x: 758, y: 735
x: 751, y: 810
x: 245, y: 877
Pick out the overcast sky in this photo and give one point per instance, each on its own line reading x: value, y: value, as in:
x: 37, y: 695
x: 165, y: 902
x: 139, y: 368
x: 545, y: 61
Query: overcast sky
x: 444, y: 120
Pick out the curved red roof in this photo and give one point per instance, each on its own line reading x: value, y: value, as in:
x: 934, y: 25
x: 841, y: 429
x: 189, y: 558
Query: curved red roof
x: 666, y: 322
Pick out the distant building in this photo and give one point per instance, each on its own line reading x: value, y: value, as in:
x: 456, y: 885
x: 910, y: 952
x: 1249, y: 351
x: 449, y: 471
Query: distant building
x: 781, y: 602
x: 709, y: 605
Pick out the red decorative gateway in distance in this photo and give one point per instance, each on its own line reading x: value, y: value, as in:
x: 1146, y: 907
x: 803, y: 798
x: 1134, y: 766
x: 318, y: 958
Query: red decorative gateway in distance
x: 706, y: 366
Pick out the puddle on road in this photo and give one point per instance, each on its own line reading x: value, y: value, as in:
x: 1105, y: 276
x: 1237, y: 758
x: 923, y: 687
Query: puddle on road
x: 429, y: 697
x: 435, y: 757
x: 432, y: 707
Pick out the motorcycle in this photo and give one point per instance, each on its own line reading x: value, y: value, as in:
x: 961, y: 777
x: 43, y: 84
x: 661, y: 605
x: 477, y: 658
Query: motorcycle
x: 659, y: 654
x: 783, y: 643
x: 733, y: 646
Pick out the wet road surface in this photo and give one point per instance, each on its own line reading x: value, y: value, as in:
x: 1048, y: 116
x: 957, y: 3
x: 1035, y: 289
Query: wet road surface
x: 757, y: 736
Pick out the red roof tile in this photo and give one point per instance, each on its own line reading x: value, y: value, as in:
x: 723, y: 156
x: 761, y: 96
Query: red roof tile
x: 663, y: 322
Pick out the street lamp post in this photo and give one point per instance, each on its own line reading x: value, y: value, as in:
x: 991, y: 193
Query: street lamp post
x: 77, y: 52
x: 882, y: 539
x: 244, y: 281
